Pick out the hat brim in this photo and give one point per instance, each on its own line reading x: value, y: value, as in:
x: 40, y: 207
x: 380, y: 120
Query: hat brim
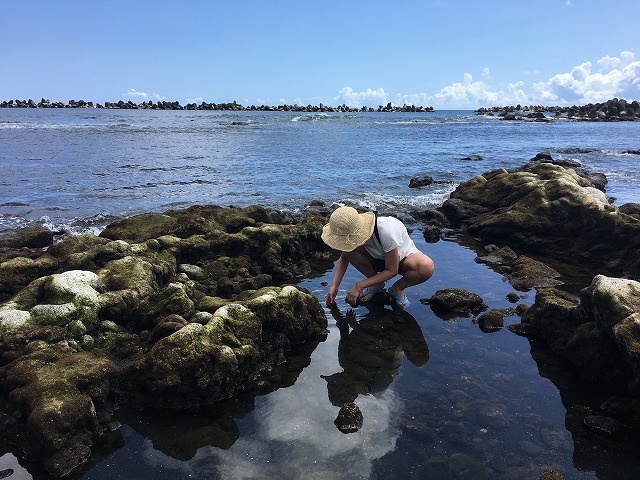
x: 354, y: 240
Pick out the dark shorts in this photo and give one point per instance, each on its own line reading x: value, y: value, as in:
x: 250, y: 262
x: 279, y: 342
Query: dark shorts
x: 378, y: 264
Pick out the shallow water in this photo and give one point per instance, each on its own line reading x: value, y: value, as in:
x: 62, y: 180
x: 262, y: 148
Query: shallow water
x: 439, y: 398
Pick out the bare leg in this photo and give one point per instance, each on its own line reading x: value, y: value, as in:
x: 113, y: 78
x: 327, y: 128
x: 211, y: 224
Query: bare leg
x: 415, y: 269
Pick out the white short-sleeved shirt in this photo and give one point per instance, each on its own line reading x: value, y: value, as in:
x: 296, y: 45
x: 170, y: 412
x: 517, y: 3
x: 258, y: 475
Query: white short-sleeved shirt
x: 393, y: 234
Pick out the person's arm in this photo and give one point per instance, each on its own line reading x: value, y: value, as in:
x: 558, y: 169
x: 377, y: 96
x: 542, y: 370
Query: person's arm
x: 341, y: 268
x: 391, y: 268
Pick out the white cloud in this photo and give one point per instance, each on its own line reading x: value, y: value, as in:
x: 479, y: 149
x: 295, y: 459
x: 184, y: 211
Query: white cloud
x: 615, y: 77
x: 467, y: 94
x: 369, y: 98
x: 133, y: 93
x: 585, y: 83
x: 142, y: 96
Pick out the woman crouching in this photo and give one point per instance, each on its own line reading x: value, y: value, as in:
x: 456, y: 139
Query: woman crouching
x: 378, y: 247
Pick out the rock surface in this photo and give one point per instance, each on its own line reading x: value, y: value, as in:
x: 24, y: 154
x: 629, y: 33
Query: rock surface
x: 547, y: 210
x: 174, y: 310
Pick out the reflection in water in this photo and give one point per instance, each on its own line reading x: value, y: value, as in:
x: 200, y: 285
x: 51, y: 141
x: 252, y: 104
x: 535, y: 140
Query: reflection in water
x: 290, y: 432
x: 296, y: 437
x: 370, y: 352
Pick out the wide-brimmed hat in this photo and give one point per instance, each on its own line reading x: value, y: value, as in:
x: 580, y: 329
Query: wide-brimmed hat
x: 347, y: 229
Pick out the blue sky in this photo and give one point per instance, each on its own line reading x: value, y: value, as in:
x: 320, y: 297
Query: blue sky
x: 449, y: 54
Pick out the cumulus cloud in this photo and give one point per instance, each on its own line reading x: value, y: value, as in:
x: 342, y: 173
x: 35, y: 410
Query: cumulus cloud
x: 142, y: 96
x: 370, y: 98
x: 587, y: 82
x: 467, y: 94
x: 612, y: 77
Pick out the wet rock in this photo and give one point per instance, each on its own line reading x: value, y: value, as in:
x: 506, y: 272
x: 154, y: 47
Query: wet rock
x: 418, y: 182
x: 631, y: 209
x: 513, y: 297
x: 432, y: 233
x: 527, y: 273
x: 60, y: 390
x: 498, y: 256
x: 549, y: 209
x: 34, y: 236
x: 450, y: 303
x: 138, y: 314
x: 491, y: 321
x: 598, y: 332
x: 551, y: 474
x: 602, y: 424
x: 349, y: 419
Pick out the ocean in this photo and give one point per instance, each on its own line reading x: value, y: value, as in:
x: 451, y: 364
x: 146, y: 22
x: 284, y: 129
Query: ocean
x: 79, y: 169
x: 440, y: 398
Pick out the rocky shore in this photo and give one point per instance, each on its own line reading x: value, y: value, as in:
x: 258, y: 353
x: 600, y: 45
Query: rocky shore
x: 195, y: 307
x: 612, y: 110
x: 232, y: 106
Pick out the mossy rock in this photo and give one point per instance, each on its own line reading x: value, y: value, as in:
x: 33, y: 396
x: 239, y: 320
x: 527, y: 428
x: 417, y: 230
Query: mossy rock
x: 59, y: 390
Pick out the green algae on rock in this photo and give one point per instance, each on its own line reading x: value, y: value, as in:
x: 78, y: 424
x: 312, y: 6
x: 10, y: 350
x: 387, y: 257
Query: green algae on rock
x: 173, y: 310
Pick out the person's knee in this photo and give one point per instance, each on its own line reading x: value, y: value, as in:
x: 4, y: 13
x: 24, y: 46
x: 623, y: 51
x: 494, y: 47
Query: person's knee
x: 426, y: 268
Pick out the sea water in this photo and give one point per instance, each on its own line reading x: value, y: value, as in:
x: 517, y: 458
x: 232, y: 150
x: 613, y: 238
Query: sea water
x: 79, y: 169
x: 441, y: 398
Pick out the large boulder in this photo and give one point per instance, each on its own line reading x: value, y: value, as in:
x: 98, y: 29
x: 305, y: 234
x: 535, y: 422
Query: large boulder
x: 547, y: 210
x: 174, y: 310
x: 597, y: 331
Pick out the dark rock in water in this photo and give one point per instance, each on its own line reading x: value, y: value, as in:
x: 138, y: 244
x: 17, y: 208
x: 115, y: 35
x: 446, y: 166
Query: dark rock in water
x: 632, y: 209
x: 450, y: 303
x: 597, y: 332
x: 551, y: 474
x: 34, y: 236
x: 491, y: 321
x: 546, y: 156
x: 431, y: 233
x: 602, y: 424
x: 473, y: 158
x: 498, y: 256
x: 418, y: 182
x: 527, y: 273
x: 349, y: 419
x: 513, y: 297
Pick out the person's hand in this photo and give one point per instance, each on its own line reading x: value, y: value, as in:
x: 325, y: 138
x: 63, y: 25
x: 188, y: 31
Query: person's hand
x: 353, y: 295
x: 330, y: 299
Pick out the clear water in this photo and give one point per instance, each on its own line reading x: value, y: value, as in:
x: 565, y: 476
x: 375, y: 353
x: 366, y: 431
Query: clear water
x: 477, y: 406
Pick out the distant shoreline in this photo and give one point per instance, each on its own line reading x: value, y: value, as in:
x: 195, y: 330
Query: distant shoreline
x: 612, y: 110
x: 232, y: 106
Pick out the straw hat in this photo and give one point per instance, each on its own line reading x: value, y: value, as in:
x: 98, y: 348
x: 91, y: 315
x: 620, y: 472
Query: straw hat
x: 347, y: 229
